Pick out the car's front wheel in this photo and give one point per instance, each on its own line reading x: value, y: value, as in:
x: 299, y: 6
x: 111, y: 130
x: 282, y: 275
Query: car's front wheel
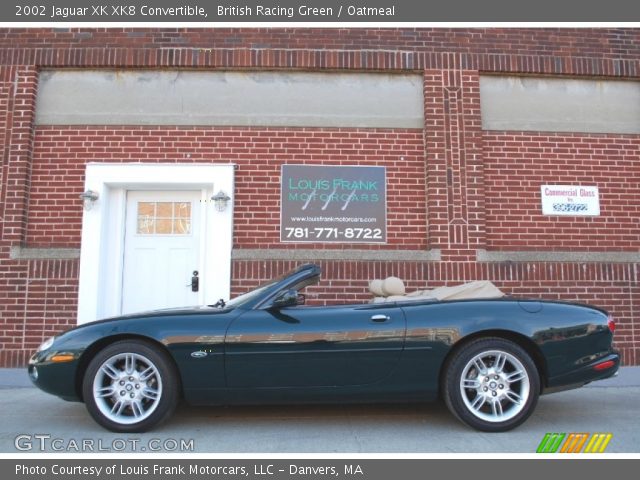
x: 491, y: 384
x: 130, y: 386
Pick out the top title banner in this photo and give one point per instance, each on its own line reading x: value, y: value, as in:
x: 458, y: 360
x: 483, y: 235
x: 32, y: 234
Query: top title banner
x: 325, y: 11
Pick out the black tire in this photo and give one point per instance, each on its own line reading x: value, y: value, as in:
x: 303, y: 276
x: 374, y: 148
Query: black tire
x: 488, y: 401
x: 138, y: 385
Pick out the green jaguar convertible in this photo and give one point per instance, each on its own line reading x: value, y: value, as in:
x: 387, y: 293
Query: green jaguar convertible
x: 489, y: 356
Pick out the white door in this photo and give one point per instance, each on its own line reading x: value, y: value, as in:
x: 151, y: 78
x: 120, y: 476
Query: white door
x: 161, y: 250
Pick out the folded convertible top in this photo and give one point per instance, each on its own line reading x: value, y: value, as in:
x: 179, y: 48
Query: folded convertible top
x: 470, y: 290
x: 476, y: 289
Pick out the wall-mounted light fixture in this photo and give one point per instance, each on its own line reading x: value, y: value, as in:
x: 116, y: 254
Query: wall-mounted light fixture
x: 88, y: 198
x: 220, y: 200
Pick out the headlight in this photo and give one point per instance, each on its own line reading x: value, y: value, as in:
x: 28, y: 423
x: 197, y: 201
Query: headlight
x: 47, y: 344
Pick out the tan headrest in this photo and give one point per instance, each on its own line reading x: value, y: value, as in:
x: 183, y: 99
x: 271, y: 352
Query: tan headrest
x: 375, y: 287
x: 393, y: 286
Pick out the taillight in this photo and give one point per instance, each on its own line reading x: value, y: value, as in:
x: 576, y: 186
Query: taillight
x: 611, y: 324
x: 604, y: 365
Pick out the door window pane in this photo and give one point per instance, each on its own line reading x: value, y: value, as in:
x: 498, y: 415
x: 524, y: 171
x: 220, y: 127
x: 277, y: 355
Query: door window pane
x: 164, y: 218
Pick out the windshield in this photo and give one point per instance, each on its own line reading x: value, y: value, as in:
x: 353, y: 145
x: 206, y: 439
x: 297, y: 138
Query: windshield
x: 252, y: 294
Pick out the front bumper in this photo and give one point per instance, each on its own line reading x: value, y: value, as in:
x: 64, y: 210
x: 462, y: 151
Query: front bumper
x: 55, y: 378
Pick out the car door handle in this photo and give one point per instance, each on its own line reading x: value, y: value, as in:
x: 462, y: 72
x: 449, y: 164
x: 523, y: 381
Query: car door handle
x: 380, y: 318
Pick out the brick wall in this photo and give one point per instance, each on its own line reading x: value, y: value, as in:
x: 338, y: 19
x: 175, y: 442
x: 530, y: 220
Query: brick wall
x: 569, y: 43
x: 38, y: 299
x: 517, y: 163
x: 453, y: 191
x: 453, y: 143
x: 564, y: 51
x: 61, y: 153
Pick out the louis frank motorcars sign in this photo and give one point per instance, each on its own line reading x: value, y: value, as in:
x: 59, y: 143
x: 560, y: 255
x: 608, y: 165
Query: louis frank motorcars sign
x: 570, y: 200
x: 333, y: 204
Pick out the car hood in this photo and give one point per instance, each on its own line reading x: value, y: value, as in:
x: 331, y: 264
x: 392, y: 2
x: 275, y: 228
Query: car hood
x: 151, y: 314
x: 195, y: 310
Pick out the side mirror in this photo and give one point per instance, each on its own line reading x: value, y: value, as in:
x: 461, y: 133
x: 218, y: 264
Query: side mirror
x: 287, y: 299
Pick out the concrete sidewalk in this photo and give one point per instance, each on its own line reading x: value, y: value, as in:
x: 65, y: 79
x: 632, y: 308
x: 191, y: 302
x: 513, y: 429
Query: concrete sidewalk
x: 605, y: 406
x: 14, y: 378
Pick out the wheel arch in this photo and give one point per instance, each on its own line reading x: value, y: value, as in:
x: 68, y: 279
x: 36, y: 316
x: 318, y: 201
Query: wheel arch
x: 522, y: 340
x: 93, y: 349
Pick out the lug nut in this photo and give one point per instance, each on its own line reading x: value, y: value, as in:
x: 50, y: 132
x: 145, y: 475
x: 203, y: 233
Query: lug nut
x: 132, y: 395
x: 486, y: 379
x: 496, y: 377
x: 122, y: 393
x: 121, y: 382
x: 131, y: 379
x: 138, y: 386
x: 485, y: 389
x: 500, y: 386
x: 493, y: 393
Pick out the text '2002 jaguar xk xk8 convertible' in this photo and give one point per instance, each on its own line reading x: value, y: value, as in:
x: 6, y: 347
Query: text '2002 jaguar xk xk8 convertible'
x: 489, y: 359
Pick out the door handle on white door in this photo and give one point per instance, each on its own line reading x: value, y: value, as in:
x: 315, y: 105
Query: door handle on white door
x: 380, y: 318
x: 195, y: 282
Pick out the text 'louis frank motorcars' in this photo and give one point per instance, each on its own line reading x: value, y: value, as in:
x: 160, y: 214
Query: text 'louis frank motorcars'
x: 489, y: 358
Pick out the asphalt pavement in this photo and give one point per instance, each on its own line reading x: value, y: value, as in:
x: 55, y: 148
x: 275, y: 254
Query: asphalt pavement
x: 33, y: 421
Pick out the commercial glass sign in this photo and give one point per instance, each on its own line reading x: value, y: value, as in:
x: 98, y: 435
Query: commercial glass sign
x: 333, y: 204
x: 570, y: 200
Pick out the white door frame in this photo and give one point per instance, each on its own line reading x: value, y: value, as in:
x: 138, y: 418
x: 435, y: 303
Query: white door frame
x: 102, y: 246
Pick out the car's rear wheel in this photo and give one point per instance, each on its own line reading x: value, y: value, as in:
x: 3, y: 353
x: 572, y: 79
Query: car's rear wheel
x: 491, y: 384
x: 130, y: 386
